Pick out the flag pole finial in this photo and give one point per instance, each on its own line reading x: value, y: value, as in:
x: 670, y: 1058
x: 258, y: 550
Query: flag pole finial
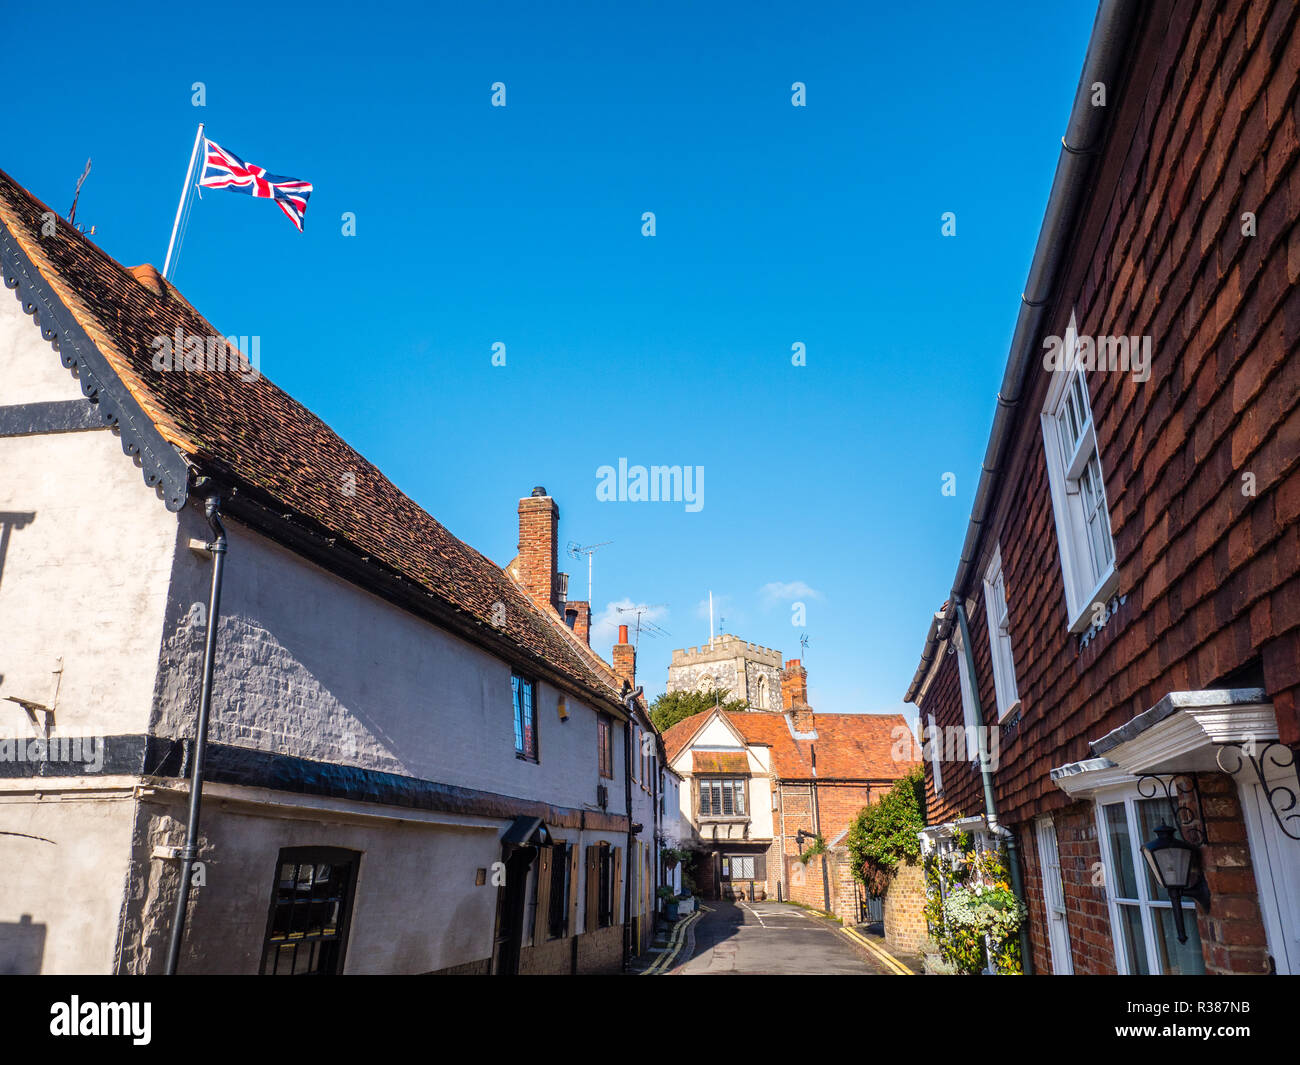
x: 180, y: 207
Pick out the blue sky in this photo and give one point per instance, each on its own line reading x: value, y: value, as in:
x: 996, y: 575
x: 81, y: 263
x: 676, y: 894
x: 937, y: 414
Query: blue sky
x: 522, y: 225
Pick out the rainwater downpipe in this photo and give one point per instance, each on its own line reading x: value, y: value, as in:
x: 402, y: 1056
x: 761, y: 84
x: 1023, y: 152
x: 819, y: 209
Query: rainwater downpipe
x: 1004, y: 836
x: 629, y: 702
x: 217, y: 548
x: 817, y: 830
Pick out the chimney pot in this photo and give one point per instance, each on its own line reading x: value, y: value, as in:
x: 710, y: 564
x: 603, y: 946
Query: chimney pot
x: 539, y: 491
x: 625, y: 658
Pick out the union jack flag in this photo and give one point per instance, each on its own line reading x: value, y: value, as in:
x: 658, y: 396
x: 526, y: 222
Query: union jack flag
x: 224, y: 170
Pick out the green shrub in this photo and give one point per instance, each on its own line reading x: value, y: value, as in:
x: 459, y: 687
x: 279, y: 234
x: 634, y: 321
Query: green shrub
x: 885, y: 833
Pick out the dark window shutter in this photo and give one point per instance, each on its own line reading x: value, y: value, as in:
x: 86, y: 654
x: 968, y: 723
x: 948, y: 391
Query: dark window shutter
x: 575, y: 869
x: 616, y: 903
x: 593, y: 888
x: 541, y: 918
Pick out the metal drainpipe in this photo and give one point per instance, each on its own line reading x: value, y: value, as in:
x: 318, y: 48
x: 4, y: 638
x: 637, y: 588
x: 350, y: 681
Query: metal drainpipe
x: 629, y: 701
x: 817, y: 830
x: 657, y: 797
x: 1003, y: 835
x: 218, y: 548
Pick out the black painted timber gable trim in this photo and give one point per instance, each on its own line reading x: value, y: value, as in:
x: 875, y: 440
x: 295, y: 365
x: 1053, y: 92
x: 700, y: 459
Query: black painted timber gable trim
x: 162, y: 465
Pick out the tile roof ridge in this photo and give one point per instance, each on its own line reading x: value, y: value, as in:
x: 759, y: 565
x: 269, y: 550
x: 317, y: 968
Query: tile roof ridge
x: 116, y: 308
x: 579, y: 645
x: 31, y: 246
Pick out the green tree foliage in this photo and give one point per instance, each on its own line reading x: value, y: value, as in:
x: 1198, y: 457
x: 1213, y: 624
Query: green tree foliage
x: 672, y: 707
x: 885, y: 833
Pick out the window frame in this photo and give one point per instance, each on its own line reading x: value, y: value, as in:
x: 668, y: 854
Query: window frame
x: 756, y: 861
x: 1146, y: 905
x: 1005, y: 687
x: 970, y: 718
x: 936, y: 755
x: 1056, y: 909
x: 736, y: 787
x: 605, y: 746
x: 300, y: 856
x: 1085, y: 581
x: 519, y: 682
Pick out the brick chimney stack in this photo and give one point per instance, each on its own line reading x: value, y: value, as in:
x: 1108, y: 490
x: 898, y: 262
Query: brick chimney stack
x: 794, y: 684
x: 625, y: 657
x: 539, y: 521
x: 794, y: 696
x: 577, y: 615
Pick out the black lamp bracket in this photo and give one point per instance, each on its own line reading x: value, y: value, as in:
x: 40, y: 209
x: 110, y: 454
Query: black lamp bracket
x: 1282, y: 799
x: 1186, y: 814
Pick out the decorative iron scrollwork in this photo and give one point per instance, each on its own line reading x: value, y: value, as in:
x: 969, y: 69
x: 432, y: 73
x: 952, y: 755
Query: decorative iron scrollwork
x: 1181, y: 792
x: 1282, y: 800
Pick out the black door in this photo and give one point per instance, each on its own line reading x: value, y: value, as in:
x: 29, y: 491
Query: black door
x: 511, y: 897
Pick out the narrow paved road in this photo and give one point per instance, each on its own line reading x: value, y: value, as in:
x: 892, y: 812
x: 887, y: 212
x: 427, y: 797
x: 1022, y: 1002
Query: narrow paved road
x: 772, y: 938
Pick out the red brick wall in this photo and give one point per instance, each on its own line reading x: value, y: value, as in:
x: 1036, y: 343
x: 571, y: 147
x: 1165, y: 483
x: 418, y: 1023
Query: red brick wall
x: 1232, y: 933
x: 539, y: 520
x: 794, y: 684
x: 805, y: 881
x: 1086, y: 913
x: 1205, y: 130
x: 838, y: 804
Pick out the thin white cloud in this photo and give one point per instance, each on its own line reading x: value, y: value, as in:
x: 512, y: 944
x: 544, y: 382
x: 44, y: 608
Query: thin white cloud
x: 604, y: 626
x: 786, y: 591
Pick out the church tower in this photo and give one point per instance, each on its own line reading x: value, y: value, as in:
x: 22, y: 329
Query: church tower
x: 746, y: 670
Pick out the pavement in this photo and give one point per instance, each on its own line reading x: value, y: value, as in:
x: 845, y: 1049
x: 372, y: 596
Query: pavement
x: 770, y: 938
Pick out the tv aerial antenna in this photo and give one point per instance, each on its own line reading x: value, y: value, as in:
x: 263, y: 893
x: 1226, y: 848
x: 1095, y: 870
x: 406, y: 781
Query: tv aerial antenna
x: 576, y: 550
x: 804, y: 641
x: 72, y: 214
x: 651, y: 629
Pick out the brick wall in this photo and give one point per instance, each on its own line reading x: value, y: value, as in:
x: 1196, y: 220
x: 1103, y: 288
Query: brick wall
x: 1203, y: 131
x: 539, y: 519
x: 624, y: 658
x: 904, y: 905
x: 601, y: 951
x: 794, y: 684
x: 806, y: 884
x: 1232, y: 933
x: 838, y: 804
x: 1086, y: 912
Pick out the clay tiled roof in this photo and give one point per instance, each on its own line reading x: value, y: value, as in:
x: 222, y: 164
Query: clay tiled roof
x: 849, y: 746
x: 719, y: 762
x: 253, y: 435
x: 679, y: 737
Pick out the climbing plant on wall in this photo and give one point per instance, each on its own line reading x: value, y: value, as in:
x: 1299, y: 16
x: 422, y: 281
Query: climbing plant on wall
x: 973, y: 914
x: 885, y: 833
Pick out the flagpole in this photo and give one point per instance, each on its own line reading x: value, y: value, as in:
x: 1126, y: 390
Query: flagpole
x: 180, y: 207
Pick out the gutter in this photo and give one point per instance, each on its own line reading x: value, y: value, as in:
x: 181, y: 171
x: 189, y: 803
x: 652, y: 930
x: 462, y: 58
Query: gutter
x: 212, y: 510
x: 305, y: 537
x: 1005, y: 837
x: 1080, y: 146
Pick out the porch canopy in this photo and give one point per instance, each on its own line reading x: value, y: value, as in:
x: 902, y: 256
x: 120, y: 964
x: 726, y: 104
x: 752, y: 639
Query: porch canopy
x: 1185, y: 732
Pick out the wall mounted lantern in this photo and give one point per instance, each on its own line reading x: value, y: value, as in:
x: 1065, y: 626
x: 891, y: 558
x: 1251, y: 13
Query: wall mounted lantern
x: 1176, y: 865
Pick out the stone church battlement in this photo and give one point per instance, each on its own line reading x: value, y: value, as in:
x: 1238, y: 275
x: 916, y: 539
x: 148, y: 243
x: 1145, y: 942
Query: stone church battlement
x: 747, y: 670
x: 725, y: 647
